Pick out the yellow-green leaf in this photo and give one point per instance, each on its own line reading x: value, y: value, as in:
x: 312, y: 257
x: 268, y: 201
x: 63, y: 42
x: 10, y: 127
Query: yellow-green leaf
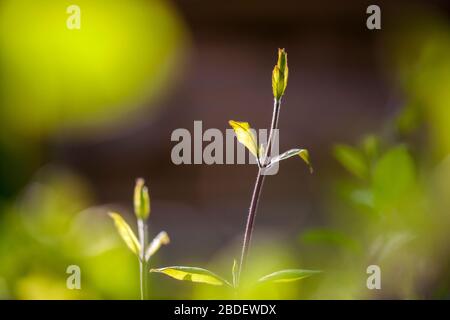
x: 141, y: 200
x: 161, y: 239
x: 302, y: 153
x: 288, y: 275
x: 126, y: 233
x: 245, y: 135
x: 192, y: 274
x: 280, y: 75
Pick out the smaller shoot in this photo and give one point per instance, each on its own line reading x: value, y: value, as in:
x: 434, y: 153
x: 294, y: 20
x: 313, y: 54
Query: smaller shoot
x: 140, y: 245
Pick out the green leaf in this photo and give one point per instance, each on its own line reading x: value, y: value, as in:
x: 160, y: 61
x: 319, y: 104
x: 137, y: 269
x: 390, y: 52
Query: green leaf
x: 192, y: 274
x: 353, y: 160
x: 302, y: 153
x: 393, y: 178
x: 141, y: 200
x: 234, y: 272
x: 126, y: 233
x: 288, y: 275
x: 161, y: 239
x: 245, y: 135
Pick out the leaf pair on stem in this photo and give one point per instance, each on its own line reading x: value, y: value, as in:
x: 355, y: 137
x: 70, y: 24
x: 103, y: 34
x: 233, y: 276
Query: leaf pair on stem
x: 201, y: 275
x: 247, y: 137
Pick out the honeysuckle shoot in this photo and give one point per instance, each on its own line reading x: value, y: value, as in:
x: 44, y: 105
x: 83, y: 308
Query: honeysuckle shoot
x: 280, y: 75
x: 246, y: 136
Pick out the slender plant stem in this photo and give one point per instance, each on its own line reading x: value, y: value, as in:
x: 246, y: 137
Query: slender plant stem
x: 143, y: 272
x: 273, y: 127
x: 251, y: 220
x: 257, y: 190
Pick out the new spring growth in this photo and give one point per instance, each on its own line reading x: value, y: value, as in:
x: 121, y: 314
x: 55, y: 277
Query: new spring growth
x: 280, y: 75
x: 141, y: 200
x: 139, y: 245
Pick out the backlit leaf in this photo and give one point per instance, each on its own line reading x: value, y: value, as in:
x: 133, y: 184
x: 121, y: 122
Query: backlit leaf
x: 245, y: 135
x: 126, y: 233
x: 161, y: 239
x: 302, y: 153
x: 288, y: 275
x: 192, y: 274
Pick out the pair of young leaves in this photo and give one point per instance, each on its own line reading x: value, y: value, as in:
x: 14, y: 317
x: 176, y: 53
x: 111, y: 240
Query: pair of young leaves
x: 201, y: 275
x: 247, y: 137
x: 128, y: 236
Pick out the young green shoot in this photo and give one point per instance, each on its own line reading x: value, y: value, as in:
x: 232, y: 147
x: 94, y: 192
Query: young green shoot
x: 139, y: 245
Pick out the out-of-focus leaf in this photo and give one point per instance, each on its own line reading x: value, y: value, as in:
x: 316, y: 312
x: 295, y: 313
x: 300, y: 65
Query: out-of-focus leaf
x: 302, y: 153
x: 192, y: 274
x: 245, y: 135
x: 288, y: 275
x: 330, y: 237
x: 161, y: 239
x: 394, y: 177
x: 410, y: 118
x: 352, y: 159
x: 362, y: 197
x: 370, y: 144
x: 126, y: 233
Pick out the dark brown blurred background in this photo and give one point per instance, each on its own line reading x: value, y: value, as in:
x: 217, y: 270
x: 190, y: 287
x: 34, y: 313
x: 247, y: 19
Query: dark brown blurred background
x: 338, y: 90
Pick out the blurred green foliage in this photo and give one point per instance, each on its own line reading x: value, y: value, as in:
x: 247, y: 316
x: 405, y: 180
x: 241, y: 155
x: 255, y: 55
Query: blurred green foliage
x: 59, y: 82
x: 49, y: 229
x: 54, y: 78
x: 388, y: 218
